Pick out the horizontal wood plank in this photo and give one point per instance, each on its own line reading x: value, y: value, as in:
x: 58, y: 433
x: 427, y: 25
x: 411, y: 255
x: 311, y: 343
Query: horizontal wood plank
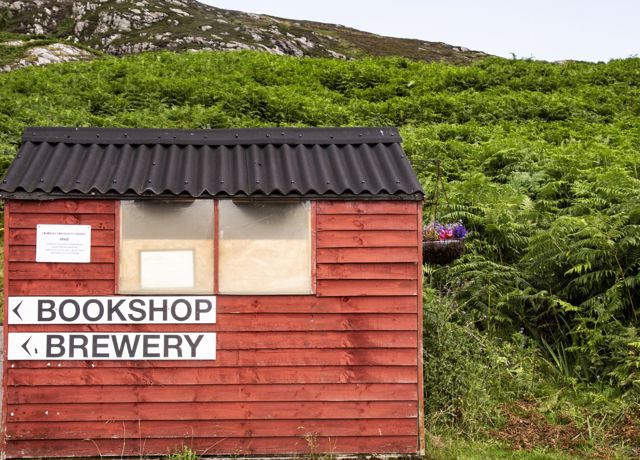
x: 52, y: 394
x: 211, y: 411
x: 366, y: 287
x: 266, y: 322
x: 251, y: 358
x: 367, y: 255
x: 259, y: 322
x: 212, y: 428
x: 313, y: 304
x: 97, y: 221
x: 367, y: 207
x: 373, y: 238
x: 60, y: 271
x: 63, y: 206
x: 309, y: 304
x: 99, y: 254
x: 366, y: 222
x: 27, y: 237
x: 214, y: 375
x: 61, y: 287
x: 258, y: 340
x: 207, y: 446
x: 362, y: 271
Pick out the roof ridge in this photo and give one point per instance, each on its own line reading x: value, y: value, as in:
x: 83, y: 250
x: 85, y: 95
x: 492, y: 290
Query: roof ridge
x: 226, y: 136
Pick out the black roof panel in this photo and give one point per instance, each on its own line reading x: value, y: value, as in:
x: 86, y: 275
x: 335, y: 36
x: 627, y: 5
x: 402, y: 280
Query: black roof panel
x: 118, y: 162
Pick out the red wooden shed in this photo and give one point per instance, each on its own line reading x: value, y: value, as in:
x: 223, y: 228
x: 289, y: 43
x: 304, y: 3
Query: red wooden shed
x: 236, y: 292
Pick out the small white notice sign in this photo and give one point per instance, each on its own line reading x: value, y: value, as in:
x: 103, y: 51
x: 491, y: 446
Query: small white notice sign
x: 63, y: 243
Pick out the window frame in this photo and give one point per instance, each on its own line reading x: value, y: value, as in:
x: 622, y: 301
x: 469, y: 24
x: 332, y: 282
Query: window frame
x: 216, y: 248
x: 196, y: 250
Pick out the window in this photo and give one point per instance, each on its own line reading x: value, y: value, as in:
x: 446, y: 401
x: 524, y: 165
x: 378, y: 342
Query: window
x: 264, y: 248
x: 166, y: 247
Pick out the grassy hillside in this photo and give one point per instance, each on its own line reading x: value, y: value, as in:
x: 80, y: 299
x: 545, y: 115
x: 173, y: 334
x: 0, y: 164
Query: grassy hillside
x: 532, y: 337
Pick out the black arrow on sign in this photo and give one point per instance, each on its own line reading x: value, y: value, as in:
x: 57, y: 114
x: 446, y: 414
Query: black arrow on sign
x: 24, y: 346
x: 15, y: 310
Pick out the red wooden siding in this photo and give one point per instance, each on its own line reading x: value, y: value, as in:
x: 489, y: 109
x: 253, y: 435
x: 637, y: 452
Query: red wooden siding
x: 26, y: 277
x: 367, y: 248
x: 338, y: 371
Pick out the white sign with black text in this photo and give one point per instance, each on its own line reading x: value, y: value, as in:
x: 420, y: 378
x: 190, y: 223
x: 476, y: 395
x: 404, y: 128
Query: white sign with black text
x: 113, y: 310
x: 63, y: 243
x: 129, y: 310
x: 111, y: 346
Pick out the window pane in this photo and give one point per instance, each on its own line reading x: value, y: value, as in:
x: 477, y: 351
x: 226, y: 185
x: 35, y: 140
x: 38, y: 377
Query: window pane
x: 166, y: 247
x: 264, y: 248
x: 158, y: 220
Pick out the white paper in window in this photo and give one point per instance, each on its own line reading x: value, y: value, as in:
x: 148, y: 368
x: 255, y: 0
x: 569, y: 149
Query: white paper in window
x: 166, y: 269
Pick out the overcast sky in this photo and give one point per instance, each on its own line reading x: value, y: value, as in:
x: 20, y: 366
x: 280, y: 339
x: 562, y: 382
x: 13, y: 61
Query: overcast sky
x: 590, y: 30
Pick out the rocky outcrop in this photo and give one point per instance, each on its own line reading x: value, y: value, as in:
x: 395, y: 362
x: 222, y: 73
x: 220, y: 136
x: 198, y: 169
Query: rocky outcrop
x: 132, y: 26
x: 46, y: 54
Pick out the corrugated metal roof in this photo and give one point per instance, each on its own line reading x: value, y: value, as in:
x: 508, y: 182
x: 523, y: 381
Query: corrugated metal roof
x: 98, y: 162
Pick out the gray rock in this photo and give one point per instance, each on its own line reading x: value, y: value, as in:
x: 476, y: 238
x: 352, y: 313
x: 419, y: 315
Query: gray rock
x: 49, y: 54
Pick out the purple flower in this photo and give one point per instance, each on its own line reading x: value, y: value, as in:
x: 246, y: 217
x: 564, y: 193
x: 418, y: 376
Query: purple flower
x: 459, y: 231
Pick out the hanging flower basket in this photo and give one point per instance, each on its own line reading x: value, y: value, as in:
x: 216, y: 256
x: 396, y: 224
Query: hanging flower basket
x: 442, y: 252
x: 443, y: 243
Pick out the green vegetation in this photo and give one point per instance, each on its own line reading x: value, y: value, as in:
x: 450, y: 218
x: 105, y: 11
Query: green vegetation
x: 531, y: 337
